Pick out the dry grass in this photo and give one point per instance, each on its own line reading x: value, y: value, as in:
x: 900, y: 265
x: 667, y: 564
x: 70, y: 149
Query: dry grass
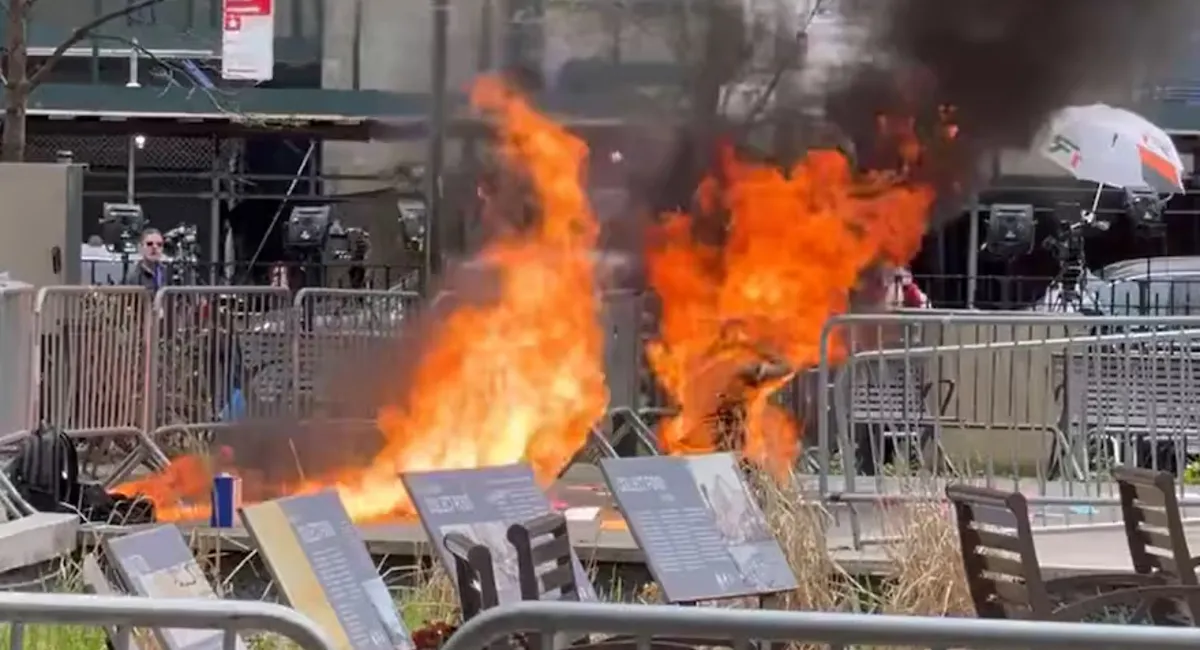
x: 926, y: 576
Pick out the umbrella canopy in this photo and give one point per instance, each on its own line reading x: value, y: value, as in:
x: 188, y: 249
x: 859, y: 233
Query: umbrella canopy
x: 1112, y: 146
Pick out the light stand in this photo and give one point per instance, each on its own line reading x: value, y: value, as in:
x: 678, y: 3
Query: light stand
x: 120, y: 225
x: 1144, y: 209
x: 305, y: 235
x: 1009, y: 235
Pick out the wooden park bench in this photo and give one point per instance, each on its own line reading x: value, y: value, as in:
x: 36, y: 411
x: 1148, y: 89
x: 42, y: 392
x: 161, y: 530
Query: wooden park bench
x: 474, y: 575
x: 545, y: 564
x: 1154, y: 527
x: 1006, y: 581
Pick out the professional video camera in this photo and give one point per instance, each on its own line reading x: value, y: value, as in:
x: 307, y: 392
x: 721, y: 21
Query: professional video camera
x: 179, y: 243
x: 1145, y: 209
x: 181, y: 247
x: 314, y: 237
x: 1011, y: 234
x: 1071, y: 224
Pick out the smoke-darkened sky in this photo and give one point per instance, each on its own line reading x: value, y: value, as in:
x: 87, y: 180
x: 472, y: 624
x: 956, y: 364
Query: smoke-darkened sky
x: 1008, y: 64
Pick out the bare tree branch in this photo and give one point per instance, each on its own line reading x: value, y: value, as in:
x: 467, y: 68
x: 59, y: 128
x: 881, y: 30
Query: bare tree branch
x: 764, y: 99
x: 79, y: 34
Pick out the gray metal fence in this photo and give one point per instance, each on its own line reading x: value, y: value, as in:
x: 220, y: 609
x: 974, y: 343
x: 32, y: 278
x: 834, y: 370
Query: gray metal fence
x: 900, y: 404
x: 121, y: 614
x: 740, y: 628
x: 339, y: 332
x: 1039, y: 403
x: 16, y: 339
x: 87, y: 341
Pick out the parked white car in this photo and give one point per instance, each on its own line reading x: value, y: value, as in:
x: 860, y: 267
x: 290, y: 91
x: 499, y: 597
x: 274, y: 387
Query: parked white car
x: 1155, y: 286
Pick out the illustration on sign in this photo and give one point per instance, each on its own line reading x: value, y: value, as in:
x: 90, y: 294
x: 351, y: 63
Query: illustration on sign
x: 703, y: 534
x: 157, y: 563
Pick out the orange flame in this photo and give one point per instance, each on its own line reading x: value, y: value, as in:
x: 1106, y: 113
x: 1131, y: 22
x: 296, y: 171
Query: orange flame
x: 795, y: 246
x: 519, y: 378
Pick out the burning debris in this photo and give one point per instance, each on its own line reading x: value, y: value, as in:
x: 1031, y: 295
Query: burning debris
x: 749, y: 259
x: 795, y: 245
x: 519, y: 377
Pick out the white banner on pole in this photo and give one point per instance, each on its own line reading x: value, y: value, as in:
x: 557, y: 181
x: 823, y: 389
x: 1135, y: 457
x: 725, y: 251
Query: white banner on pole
x: 248, y: 40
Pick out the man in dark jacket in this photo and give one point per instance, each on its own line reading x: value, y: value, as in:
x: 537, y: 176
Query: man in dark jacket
x: 150, y: 271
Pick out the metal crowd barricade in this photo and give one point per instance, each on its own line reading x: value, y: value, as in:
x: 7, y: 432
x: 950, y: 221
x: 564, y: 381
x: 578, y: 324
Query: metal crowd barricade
x: 89, y: 359
x: 90, y: 353
x: 340, y: 333
x: 124, y: 613
x: 741, y: 628
x: 1041, y: 403
x: 218, y: 354
x: 16, y: 357
x: 1131, y: 402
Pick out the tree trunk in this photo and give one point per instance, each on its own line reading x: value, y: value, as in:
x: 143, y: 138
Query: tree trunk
x: 20, y: 83
x: 16, y: 90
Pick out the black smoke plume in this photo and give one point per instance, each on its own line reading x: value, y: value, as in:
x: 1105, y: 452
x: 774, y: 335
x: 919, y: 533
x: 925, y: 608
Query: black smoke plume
x: 1005, y: 67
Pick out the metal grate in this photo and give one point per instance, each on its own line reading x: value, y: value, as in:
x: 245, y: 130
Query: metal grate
x: 112, y: 151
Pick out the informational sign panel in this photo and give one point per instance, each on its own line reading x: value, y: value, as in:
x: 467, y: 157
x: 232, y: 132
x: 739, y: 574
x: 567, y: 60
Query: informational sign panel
x: 324, y: 571
x: 157, y: 563
x: 704, y: 536
x: 248, y: 39
x: 481, y: 504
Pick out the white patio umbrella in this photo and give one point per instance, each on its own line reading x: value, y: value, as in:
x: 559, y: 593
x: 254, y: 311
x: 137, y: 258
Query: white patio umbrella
x: 1112, y: 146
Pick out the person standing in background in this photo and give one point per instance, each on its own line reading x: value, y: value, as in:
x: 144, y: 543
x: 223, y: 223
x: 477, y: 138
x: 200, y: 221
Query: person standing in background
x: 903, y: 292
x: 150, y: 271
x: 279, y: 276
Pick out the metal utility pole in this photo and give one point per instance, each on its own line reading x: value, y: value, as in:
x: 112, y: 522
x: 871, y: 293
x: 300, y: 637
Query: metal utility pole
x: 436, y: 161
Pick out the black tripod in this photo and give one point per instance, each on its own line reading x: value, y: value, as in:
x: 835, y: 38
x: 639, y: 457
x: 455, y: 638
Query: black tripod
x: 1067, y: 245
x: 1068, y: 248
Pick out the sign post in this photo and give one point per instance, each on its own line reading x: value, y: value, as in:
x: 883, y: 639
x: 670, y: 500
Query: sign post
x: 248, y: 40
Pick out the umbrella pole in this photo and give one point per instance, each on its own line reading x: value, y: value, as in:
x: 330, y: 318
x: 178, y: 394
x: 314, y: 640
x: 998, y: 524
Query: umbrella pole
x: 1096, y: 200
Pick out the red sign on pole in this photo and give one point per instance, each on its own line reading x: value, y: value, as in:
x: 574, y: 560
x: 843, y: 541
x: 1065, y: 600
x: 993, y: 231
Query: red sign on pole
x: 248, y: 7
x: 248, y: 40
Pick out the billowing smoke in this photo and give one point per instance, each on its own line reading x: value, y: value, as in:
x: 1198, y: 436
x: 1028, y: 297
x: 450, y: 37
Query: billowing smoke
x: 1006, y: 66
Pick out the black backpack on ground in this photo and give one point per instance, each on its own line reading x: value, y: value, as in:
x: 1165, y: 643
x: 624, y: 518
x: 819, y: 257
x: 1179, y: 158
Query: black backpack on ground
x: 46, y: 474
x: 46, y: 470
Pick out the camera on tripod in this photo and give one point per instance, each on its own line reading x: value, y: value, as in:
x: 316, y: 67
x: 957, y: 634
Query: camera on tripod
x: 181, y: 247
x: 1145, y: 209
x: 180, y: 243
x: 314, y: 237
x: 1012, y: 230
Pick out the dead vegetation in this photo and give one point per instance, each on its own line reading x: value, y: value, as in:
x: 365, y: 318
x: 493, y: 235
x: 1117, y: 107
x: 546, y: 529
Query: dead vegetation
x: 924, y: 574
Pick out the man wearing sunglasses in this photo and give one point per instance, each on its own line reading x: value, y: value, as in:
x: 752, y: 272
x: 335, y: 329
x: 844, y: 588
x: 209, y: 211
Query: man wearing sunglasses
x: 150, y: 271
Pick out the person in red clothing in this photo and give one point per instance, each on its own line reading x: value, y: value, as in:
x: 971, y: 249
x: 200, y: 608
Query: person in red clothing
x: 903, y: 292
x: 883, y: 288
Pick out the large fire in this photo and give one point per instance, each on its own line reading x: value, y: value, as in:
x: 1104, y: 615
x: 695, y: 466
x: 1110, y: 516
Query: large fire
x: 521, y: 378
x: 739, y: 317
x: 518, y: 378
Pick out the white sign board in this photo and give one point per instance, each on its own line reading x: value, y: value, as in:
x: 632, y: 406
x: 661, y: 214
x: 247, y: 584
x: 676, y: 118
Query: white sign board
x: 248, y: 40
